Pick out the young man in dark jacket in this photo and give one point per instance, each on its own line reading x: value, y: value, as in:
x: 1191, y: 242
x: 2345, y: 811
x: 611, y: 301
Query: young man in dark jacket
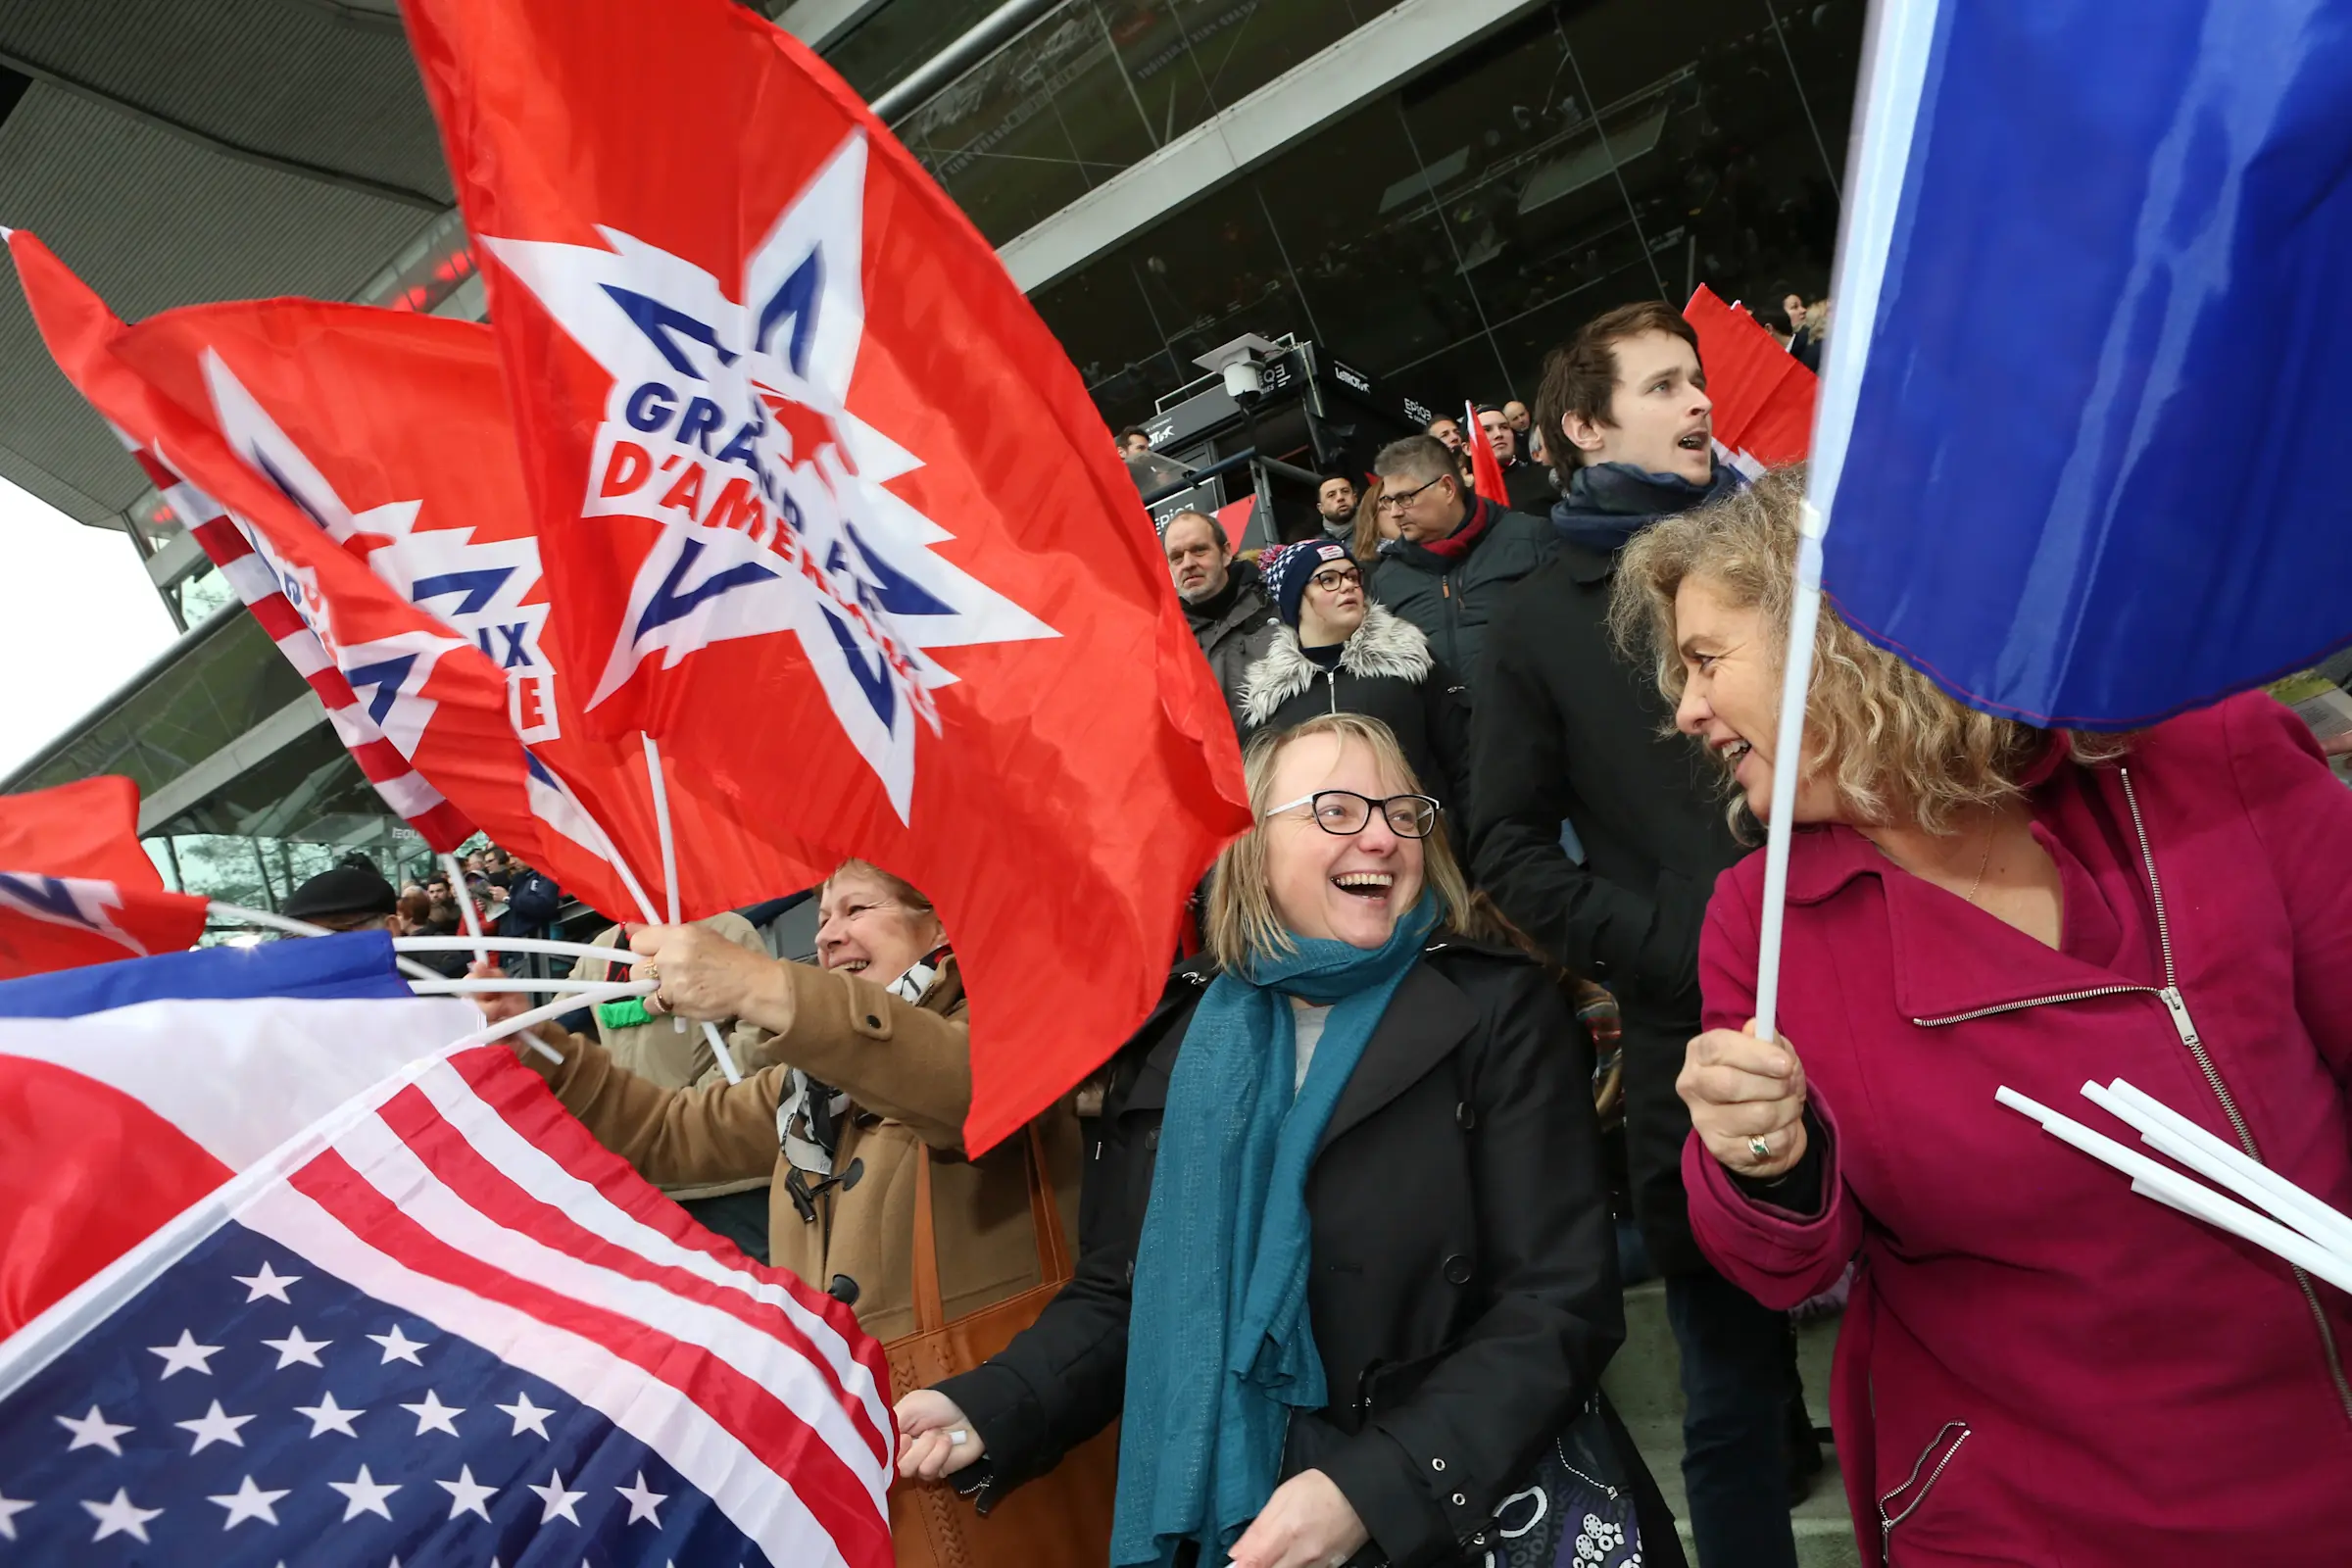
x: 1566, y: 730
x: 1454, y: 552
x: 1232, y: 620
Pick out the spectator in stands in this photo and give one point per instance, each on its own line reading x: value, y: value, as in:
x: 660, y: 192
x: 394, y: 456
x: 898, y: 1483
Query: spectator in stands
x: 862, y: 1068
x: 1456, y: 553
x: 666, y: 1053
x: 1450, y: 431
x: 1566, y: 730
x: 1974, y: 903
x: 1335, y: 506
x: 1374, y: 530
x: 1515, y: 414
x: 1528, y: 487
x: 1367, y: 1145
x: 1224, y: 598
x: 1802, y: 345
x: 1133, y: 442
x: 351, y: 894
x: 1338, y: 652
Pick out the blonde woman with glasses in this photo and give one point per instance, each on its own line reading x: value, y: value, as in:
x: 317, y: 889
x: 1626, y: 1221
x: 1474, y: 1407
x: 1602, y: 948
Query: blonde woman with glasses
x: 1350, y: 1281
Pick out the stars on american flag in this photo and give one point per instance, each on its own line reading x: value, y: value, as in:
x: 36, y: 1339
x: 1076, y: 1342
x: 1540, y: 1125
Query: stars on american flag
x: 284, y: 1362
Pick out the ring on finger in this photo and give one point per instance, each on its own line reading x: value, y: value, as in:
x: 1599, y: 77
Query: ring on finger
x: 1759, y: 1149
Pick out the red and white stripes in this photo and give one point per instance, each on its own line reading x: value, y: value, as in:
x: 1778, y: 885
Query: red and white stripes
x: 472, y: 1199
x: 404, y: 790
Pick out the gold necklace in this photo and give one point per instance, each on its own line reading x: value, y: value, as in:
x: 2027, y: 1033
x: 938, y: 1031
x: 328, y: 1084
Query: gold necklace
x: 1978, y: 886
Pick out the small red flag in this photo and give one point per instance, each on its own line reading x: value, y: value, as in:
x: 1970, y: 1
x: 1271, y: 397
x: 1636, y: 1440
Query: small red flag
x: 1486, y: 468
x: 825, y: 508
x: 1763, y: 397
x: 76, y: 886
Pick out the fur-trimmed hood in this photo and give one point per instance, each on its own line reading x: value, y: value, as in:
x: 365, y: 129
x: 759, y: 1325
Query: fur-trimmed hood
x: 1386, y: 646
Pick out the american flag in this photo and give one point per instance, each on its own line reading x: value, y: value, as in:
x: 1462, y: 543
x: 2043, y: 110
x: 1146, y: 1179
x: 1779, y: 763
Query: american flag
x: 444, y: 1327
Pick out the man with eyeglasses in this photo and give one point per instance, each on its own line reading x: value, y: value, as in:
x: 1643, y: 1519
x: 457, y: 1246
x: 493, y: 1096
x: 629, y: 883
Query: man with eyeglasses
x: 1456, y: 553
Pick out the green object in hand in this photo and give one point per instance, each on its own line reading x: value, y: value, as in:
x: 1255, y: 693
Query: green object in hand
x: 627, y: 1013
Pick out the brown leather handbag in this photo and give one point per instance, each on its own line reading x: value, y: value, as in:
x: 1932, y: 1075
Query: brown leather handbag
x: 1059, y: 1520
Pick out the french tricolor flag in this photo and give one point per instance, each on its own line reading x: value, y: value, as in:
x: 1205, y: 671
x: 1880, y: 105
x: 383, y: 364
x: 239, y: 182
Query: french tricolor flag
x: 2082, y: 420
x: 293, y: 1272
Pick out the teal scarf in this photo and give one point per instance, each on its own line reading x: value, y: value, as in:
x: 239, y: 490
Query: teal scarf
x: 1219, y: 1350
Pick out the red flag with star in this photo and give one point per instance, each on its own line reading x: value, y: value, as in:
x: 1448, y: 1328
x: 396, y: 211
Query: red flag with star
x: 826, y: 509
x: 352, y: 472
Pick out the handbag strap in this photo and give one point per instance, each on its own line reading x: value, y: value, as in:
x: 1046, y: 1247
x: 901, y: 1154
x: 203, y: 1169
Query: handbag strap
x: 1044, y: 1219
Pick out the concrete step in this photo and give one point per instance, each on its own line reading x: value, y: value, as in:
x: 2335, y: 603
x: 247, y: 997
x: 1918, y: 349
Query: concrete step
x: 1644, y: 1384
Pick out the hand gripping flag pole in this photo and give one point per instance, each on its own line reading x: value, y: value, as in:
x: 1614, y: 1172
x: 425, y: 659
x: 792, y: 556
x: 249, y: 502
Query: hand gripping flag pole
x: 669, y: 890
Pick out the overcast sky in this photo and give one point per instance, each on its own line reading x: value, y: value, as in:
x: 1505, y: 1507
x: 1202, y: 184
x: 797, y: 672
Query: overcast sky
x: 77, y: 618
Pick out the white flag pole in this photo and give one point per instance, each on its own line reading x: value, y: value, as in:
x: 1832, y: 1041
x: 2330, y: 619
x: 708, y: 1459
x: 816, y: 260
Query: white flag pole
x: 1788, y: 762
x: 474, y: 917
x: 669, y: 891
x: 1896, y: 43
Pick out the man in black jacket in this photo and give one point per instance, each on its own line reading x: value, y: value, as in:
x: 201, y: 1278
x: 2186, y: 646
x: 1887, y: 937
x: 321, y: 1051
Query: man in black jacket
x: 1231, y: 616
x: 1454, y: 554
x: 1526, y: 486
x: 1566, y: 730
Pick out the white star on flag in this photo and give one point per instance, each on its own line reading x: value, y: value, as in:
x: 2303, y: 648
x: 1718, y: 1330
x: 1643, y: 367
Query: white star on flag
x: 326, y: 1416
x: 467, y: 1495
x: 367, y: 1495
x: 739, y: 440
x: 268, y: 1282
x: 294, y: 1348
x: 644, y: 1502
x: 398, y: 1346
x: 93, y: 1431
x: 185, y: 1354
x: 119, y: 1516
x: 214, y: 1426
x: 559, y: 1502
x: 248, y: 1501
x: 528, y: 1416
x: 10, y: 1507
x: 434, y: 1416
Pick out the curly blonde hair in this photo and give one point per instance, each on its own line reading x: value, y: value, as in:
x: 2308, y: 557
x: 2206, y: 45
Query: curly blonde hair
x: 1240, y: 923
x: 1894, y: 745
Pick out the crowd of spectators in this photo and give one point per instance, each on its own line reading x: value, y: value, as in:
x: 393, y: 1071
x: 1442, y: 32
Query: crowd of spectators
x: 1461, y: 1054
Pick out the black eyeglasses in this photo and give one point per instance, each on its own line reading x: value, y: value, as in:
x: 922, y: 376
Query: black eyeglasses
x: 1395, y: 502
x: 1347, y: 813
x: 1332, y: 580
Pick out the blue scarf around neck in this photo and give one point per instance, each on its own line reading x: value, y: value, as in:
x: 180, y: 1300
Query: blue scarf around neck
x: 1609, y: 502
x: 1219, y: 1348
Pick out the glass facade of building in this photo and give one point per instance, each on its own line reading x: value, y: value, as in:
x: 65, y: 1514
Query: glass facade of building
x: 1444, y: 237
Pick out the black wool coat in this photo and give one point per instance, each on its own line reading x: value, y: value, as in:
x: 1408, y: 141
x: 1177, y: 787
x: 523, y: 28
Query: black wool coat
x: 1568, y: 731
x: 1452, y: 600
x: 1463, y: 1280
x: 1384, y: 672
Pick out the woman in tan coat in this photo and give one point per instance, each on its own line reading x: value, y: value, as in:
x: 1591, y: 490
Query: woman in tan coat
x: 860, y: 1065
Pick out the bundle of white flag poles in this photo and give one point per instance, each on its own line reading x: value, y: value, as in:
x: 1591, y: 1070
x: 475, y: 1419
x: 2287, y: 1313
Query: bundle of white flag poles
x: 2301, y: 1229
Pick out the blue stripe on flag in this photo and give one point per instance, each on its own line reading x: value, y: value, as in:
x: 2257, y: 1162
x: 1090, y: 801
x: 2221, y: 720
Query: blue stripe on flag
x: 2092, y: 473
x: 357, y: 964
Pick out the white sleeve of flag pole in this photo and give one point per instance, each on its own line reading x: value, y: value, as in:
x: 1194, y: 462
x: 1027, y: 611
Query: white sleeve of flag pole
x: 1788, y: 744
x: 1895, y: 60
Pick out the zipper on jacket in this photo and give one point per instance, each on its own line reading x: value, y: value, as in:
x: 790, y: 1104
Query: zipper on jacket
x: 2176, y: 1008
x: 1888, y: 1521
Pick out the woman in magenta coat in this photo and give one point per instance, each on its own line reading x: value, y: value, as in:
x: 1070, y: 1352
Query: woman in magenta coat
x: 2039, y: 1366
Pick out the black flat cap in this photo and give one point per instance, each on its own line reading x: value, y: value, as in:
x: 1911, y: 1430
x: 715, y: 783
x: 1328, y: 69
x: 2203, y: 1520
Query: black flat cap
x: 342, y: 890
